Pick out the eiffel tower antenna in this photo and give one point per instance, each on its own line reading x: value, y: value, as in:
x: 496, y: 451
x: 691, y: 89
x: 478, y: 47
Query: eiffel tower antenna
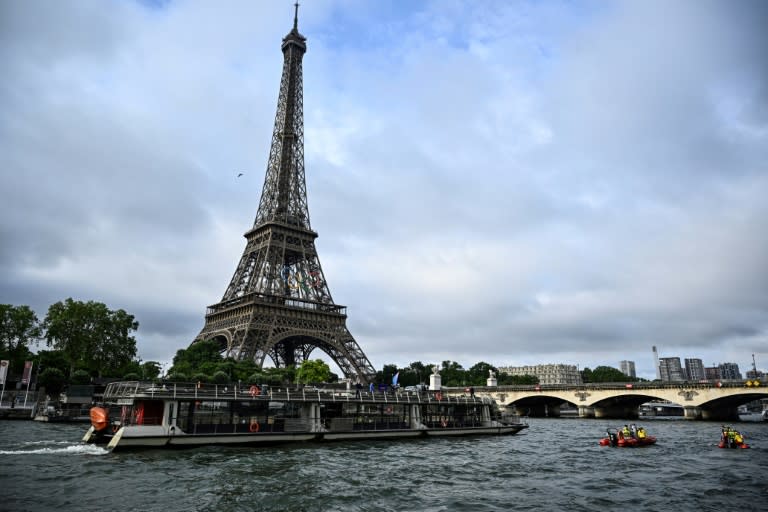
x: 278, y: 304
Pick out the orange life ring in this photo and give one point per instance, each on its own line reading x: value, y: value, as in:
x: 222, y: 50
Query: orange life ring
x: 255, y: 391
x: 438, y: 396
x: 254, y: 426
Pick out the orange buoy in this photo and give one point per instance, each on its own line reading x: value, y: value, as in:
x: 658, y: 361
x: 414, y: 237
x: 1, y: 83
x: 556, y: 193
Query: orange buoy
x: 99, y: 418
x: 254, y: 426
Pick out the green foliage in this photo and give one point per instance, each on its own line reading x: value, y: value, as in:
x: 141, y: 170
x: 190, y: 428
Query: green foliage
x: 150, y: 370
x: 415, y: 373
x: 201, y: 356
x: 605, y: 374
x: 132, y: 376
x: 313, y: 371
x: 221, y: 377
x: 52, y: 359
x: 256, y: 378
x: 385, y: 375
x: 91, y: 336
x: 178, y: 377
x: 453, y: 374
x: 517, y: 380
x: 281, y: 375
x: 19, y: 330
x: 200, y: 377
x: 478, y: 374
x: 80, y: 377
x: 53, y: 380
x: 243, y: 370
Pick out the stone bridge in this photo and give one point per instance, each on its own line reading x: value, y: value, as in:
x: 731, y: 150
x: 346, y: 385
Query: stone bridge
x: 717, y: 401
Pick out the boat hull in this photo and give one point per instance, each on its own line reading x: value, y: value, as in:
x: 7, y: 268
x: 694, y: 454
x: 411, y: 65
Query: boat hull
x: 132, y: 438
x: 629, y: 443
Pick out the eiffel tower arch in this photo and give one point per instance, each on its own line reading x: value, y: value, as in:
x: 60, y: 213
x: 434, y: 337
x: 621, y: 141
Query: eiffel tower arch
x: 278, y: 303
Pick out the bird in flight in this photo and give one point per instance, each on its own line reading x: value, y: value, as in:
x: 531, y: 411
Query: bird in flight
x: 239, y: 175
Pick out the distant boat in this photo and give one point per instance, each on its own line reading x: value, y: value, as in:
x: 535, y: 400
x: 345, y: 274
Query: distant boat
x: 754, y: 416
x: 753, y: 412
x: 638, y: 437
x: 650, y: 409
x: 145, y: 415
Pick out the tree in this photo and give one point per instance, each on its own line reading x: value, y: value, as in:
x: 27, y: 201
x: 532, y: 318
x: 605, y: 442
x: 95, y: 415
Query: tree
x: 52, y: 359
x: 274, y: 376
x: 91, y: 336
x: 386, y: 374
x: 608, y: 374
x: 80, y: 377
x: 19, y: 329
x: 150, y: 370
x: 420, y: 372
x: 517, y: 380
x: 202, y: 356
x: 313, y: 371
x: 479, y: 373
x: 243, y: 370
x: 453, y: 374
x: 53, y: 380
x: 220, y: 377
x: 147, y: 370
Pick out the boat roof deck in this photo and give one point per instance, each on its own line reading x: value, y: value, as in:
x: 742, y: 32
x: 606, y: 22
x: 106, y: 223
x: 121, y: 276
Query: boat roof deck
x: 219, y: 392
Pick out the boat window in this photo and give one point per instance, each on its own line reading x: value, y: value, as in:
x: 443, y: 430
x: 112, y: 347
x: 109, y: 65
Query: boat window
x: 147, y: 412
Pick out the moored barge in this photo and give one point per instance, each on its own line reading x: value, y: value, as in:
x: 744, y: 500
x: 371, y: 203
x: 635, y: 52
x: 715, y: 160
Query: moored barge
x: 146, y: 415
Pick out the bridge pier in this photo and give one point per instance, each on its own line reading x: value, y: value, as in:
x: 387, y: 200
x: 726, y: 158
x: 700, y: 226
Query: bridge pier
x: 692, y: 413
x: 586, y: 411
x: 617, y: 412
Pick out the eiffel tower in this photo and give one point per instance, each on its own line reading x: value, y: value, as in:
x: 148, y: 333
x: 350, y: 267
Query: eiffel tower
x: 278, y: 303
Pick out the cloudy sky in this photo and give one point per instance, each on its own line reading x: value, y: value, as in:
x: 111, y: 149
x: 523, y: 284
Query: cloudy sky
x: 509, y: 182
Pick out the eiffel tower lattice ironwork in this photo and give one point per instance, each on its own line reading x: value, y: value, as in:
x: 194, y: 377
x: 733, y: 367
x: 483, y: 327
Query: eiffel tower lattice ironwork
x: 278, y: 303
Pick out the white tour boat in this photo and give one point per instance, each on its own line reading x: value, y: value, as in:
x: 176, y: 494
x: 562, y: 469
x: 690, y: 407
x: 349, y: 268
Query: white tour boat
x: 146, y: 415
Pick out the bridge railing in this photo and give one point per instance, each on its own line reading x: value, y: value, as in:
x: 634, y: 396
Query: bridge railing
x: 703, y: 384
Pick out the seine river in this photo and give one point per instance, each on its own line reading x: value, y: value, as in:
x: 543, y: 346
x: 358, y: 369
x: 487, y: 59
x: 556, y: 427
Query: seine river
x: 555, y: 465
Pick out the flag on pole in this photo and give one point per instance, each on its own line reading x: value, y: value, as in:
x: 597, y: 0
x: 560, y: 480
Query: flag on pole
x: 394, y: 379
x: 27, y: 372
x: 3, y: 371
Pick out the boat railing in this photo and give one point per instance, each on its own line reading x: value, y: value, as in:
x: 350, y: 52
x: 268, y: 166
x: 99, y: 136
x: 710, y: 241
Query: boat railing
x: 116, y: 391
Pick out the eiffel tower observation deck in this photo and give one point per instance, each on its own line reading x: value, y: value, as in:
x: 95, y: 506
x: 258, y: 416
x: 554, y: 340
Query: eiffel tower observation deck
x: 278, y: 303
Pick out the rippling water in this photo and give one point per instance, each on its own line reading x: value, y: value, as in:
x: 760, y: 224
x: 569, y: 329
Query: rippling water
x: 556, y: 465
